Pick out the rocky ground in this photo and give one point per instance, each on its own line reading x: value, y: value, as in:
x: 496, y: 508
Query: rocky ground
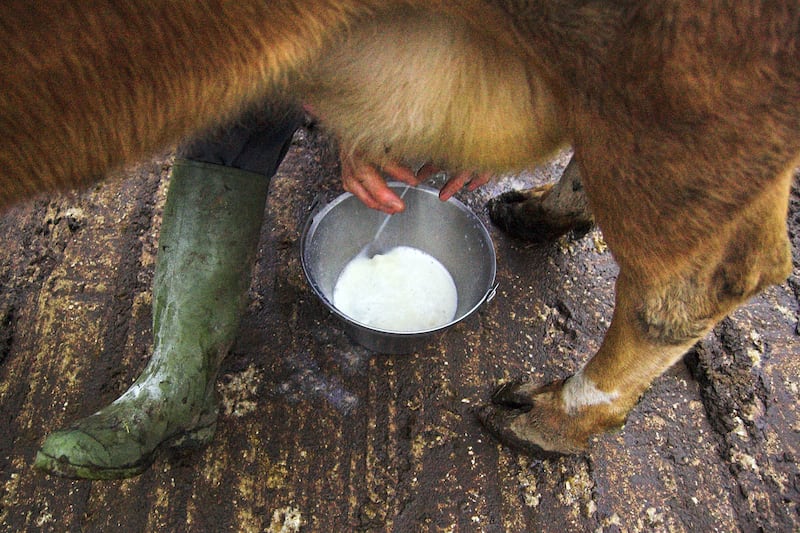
x: 320, y: 435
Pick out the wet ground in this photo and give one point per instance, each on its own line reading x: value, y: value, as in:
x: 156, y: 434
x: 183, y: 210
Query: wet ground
x: 320, y: 435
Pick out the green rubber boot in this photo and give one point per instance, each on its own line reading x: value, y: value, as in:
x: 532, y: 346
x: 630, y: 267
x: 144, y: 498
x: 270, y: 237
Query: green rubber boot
x: 209, y: 236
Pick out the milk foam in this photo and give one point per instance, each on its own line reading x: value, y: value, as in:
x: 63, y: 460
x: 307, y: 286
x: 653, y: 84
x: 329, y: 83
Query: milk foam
x: 402, y: 290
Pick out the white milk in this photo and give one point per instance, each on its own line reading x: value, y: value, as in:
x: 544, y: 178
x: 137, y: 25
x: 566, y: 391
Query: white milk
x: 403, y: 290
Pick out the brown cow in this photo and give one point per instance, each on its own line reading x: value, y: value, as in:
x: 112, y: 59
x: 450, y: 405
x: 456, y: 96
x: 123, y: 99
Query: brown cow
x: 684, y: 118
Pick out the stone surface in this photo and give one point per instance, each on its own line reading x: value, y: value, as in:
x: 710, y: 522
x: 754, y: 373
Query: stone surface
x: 317, y: 434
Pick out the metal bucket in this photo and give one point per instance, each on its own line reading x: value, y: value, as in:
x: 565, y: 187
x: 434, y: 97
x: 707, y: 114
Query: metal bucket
x: 448, y: 231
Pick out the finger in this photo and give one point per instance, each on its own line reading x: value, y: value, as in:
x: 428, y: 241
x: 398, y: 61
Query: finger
x: 454, y: 185
x: 377, y: 189
x: 348, y: 174
x: 401, y: 173
x: 479, y: 181
x: 365, y: 197
x: 367, y: 184
x: 351, y: 183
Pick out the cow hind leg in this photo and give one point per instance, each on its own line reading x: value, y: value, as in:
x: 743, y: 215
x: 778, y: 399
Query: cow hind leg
x: 656, y: 320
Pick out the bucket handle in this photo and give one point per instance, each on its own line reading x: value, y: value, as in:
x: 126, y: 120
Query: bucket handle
x: 318, y: 203
x: 490, y: 294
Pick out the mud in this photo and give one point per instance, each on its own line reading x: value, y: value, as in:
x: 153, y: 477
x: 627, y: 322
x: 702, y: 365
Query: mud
x: 317, y: 434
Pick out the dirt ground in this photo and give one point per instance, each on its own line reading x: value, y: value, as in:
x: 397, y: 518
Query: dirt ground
x: 318, y: 434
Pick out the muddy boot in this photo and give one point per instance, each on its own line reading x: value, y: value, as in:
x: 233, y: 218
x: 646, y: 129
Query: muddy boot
x: 209, y: 236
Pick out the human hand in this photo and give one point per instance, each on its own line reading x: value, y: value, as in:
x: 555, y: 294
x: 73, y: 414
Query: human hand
x: 365, y: 182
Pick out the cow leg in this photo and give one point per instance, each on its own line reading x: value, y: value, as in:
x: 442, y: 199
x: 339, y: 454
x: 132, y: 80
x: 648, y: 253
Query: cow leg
x: 656, y: 320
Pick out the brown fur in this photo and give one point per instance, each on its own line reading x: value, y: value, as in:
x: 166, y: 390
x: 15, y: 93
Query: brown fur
x: 684, y: 117
x: 447, y: 76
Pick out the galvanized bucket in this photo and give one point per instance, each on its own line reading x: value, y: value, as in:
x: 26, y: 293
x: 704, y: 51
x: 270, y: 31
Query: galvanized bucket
x: 448, y: 231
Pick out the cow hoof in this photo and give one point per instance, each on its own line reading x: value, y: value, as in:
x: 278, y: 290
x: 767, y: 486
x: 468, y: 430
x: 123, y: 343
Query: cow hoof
x: 533, y: 421
x: 524, y: 215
